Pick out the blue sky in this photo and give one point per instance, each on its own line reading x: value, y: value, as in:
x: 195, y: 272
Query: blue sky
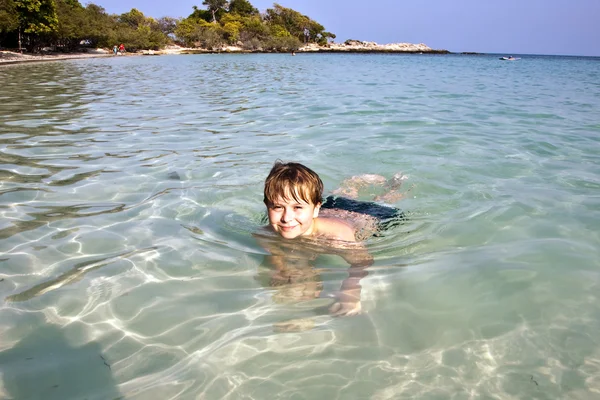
x: 570, y: 27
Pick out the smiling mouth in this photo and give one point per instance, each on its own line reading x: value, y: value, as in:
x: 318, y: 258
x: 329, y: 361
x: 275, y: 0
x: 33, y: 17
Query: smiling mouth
x: 287, y: 228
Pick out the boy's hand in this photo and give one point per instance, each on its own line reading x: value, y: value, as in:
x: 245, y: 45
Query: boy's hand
x: 347, y: 304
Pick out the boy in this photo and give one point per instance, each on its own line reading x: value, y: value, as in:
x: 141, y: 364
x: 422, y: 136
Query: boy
x: 293, y: 196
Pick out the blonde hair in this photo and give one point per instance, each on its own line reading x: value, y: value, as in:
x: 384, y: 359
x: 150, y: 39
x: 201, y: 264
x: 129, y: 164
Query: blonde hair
x: 293, y: 181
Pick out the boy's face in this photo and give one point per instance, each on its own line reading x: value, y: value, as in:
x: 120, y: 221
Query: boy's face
x: 291, y: 218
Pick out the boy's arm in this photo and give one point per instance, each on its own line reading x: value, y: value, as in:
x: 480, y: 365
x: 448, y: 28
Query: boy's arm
x: 350, y: 291
x: 276, y: 256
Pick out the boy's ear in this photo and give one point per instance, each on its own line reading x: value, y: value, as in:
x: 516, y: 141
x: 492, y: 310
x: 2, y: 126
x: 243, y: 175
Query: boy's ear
x: 317, y: 209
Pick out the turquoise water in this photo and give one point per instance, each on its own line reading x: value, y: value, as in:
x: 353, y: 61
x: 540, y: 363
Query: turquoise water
x: 131, y: 186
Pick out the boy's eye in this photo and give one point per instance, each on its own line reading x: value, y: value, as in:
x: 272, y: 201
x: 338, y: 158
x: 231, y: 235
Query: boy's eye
x: 298, y: 207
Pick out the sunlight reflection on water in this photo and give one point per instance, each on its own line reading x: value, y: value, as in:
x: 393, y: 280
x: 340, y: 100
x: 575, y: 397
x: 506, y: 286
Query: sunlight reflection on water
x: 130, y: 189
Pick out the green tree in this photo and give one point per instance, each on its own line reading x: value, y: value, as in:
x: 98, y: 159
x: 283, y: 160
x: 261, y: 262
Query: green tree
x: 294, y: 22
x: 9, y: 17
x: 71, y: 24
x: 282, y: 29
x: 212, y: 37
x: 37, y: 16
x: 133, y: 18
x: 184, y: 31
x: 142, y: 37
x: 242, y: 7
x: 253, y: 29
x: 199, y: 13
x: 37, y: 20
x: 232, y: 24
x: 214, y: 6
x: 279, y: 31
x: 66, y: 23
x: 328, y: 35
x: 282, y: 43
x: 167, y: 25
x: 189, y: 31
x: 99, y: 27
x: 136, y: 31
x: 315, y: 32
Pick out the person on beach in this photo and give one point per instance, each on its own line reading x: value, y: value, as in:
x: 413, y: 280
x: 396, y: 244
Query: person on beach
x: 293, y: 195
x: 115, y: 49
x: 122, y: 48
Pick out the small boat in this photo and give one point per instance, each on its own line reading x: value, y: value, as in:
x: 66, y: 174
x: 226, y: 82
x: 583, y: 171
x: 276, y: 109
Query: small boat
x: 511, y: 58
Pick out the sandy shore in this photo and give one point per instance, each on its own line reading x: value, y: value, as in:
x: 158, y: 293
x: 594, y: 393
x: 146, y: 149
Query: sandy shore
x: 9, y: 57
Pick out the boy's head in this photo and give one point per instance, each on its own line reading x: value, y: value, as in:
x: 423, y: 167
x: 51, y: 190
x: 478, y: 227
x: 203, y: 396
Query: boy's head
x: 293, y: 198
x: 293, y: 181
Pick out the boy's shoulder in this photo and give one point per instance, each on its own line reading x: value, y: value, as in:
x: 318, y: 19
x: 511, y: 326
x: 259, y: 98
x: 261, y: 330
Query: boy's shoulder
x: 336, y: 229
x: 363, y: 225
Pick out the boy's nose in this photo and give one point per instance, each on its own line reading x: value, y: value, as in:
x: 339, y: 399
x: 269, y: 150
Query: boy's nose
x: 287, y: 216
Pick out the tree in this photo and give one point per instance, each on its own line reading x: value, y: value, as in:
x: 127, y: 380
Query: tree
x: 100, y: 28
x: 133, y: 18
x: 71, y: 27
x: 279, y: 31
x: 232, y: 23
x: 253, y: 30
x: 136, y: 31
x: 37, y: 16
x: 294, y: 22
x: 9, y: 18
x: 242, y: 7
x: 167, y: 25
x: 283, y: 43
x: 142, y: 37
x: 189, y: 30
x: 325, y: 36
x: 66, y: 24
x: 200, y: 14
x: 313, y: 31
x: 36, y: 19
x: 214, y: 6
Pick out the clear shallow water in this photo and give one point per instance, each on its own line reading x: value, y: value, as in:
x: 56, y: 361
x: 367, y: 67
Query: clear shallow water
x: 130, y: 188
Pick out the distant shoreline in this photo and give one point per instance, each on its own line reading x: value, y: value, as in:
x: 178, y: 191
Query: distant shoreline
x: 320, y: 51
x: 351, y: 46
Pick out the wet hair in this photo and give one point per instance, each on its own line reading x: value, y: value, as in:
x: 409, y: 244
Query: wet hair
x: 293, y: 181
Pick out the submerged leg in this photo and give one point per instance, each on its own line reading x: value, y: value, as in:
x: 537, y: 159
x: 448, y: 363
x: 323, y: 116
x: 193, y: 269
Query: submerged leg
x: 393, y: 185
x: 351, y: 186
x: 395, y: 181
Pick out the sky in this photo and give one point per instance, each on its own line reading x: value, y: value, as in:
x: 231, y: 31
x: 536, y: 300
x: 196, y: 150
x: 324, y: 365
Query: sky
x: 560, y: 27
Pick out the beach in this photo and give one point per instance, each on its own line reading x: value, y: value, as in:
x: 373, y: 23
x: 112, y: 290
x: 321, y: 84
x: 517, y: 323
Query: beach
x: 11, y: 57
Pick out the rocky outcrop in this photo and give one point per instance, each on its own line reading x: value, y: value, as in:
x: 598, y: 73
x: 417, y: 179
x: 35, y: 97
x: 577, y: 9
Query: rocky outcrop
x: 350, y: 46
x: 358, y: 46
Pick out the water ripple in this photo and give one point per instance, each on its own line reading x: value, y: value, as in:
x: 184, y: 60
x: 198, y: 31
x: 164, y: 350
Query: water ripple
x: 130, y: 190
